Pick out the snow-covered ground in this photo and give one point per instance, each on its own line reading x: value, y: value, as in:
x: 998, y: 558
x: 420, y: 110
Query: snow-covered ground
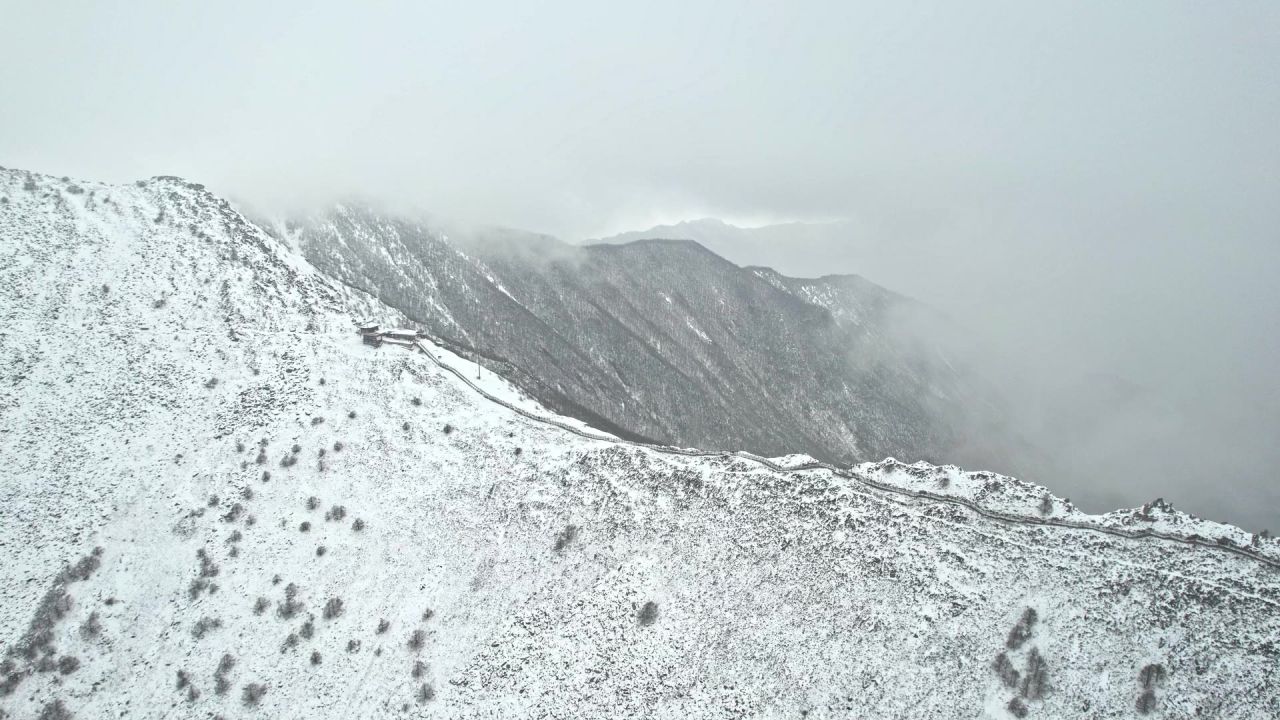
x: 177, y: 386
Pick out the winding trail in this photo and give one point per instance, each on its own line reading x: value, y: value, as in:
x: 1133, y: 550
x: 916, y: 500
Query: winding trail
x: 996, y: 515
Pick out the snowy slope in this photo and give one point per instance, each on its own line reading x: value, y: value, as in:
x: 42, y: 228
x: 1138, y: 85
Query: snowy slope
x: 525, y: 552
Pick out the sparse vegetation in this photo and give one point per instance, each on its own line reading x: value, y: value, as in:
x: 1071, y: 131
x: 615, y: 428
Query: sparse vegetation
x: 1036, y: 681
x: 383, y: 625
x: 308, y: 629
x: 321, y: 550
x: 204, y: 626
x: 260, y: 605
x: 317, y: 420
x: 351, y: 415
x: 419, y: 669
x: 337, y: 512
x: 428, y: 614
x: 1150, y: 676
x: 1146, y: 702
x: 91, y: 627
x: 252, y: 694
x: 337, y: 446
x: 1021, y: 630
x: 426, y: 693
x: 1017, y: 707
x: 358, y: 525
x: 291, y: 606
x: 315, y: 657
x: 288, y: 461
x: 211, y: 383
x: 333, y: 608
x: 416, y: 401
x: 405, y: 426
x: 1005, y: 670
x: 313, y: 502
x: 566, y: 537
x: 68, y: 664
x: 417, y: 639
x: 54, y: 710
x: 448, y: 428
x: 233, y: 513
x: 1046, y: 504
x: 353, y: 646
x: 290, y: 642
x: 305, y: 526
x: 648, y: 614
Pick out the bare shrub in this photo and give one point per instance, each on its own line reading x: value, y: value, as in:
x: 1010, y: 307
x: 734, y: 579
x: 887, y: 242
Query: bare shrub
x: 448, y: 428
x: 260, y: 605
x: 358, y: 525
x: 317, y: 420
x: 353, y: 646
x: 1021, y: 631
x: 383, y: 625
x: 1017, y: 707
x: 291, y: 606
x: 417, y: 639
x: 261, y: 459
x: 183, y: 679
x: 305, y: 526
x: 1151, y: 676
x: 337, y: 512
x: 1007, y: 673
x: 648, y: 614
x: 211, y: 383
x: 1036, y: 682
x: 566, y: 537
x: 290, y: 642
x: 417, y: 402
x: 1046, y: 504
x: 315, y: 657
x: 289, y: 461
x: 204, y: 626
x: 252, y: 694
x: 208, y: 568
x: 246, y: 493
x: 313, y: 502
x: 405, y: 426
x: 233, y: 513
x: 213, y: 501
x: 68, y: 664
x: 91, y: 627
x: 235, y: 537
x: 225, y: 665
x: 54, y: 710
x: 1146, y: 702
x: 426, y: 693
x: 352, y: 415
x: 419, y: 669
x: 221, y: 685
x: 337, y: 446
x: 295, y: 449
x: 332, y: 608
x: 308, y: 629
x: 428, y: 614
x: 321, y: 550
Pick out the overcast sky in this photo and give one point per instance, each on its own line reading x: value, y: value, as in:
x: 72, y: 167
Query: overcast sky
x: 1093, y: 180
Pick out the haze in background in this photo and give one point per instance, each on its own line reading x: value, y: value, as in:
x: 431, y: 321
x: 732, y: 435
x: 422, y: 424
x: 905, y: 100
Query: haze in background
x: 1092, y: 186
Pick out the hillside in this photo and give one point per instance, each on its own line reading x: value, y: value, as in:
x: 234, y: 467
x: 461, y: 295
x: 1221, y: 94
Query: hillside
x: 666, y: 341
x: 179, y: 385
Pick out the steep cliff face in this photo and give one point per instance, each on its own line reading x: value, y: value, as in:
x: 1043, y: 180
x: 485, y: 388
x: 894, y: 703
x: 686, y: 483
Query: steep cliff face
x: 665, y: 340
x: 217, y: 501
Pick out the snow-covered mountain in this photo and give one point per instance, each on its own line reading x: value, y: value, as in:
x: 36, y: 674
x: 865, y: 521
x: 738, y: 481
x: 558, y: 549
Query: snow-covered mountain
x: 215, y: 501
x: 667, y: 341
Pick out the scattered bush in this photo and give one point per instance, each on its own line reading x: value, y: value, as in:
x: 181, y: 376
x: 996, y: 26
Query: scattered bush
x: 308, y: 629
x: 221, y: 685
x: 260, y: 605
x: 383, y: 624
x: 428, y: 614
x: 252, y: 694
x: 419, y: 669
x: 321, y: 550
x: 291, y: 605
x: 405, y: 426
x: 239, y: 447
x: 337, y: 512
x: 358, y: 525
x: 1007, y: 673
x: 233, y: 513
x: 213, y: 501
x: 234, y: 551
x: 333, y: 608
x: 426, y: 693
x: 1046, y: 504
x: 313, y: 502
x: 204, y: 626
x: 246, y: 493
x: 68, y: 664
x: 91, y: 627
x: 305, y: 526
x: 944, y: 482
x: 417, y: 402
x: 315, y: 657
x: 448, y: 428
x: 211, y: 383
x: 352, y: 415
x: 54, y: 710
x: 1036, y: 682
x: 275, y: 579
x: 518, y: 451
x: 1021, y: 631
x: 1017, y: 707
x: 208, y: 568
x: 648, y: 614
x: 1151, y: 676
x: 250, y: 521
x: 417, y: 639
x: 235, y: 537
x: 193, y: 694
x: 1146, y: 702
x: 296, y: 448
x: 262, y: 460
x: 321, y: 452
x: 317, y: 420
x: 353, y: 646
x: 337, y: 446
x: 183, y: 679
x: 288, y: 461
x: 566, y: 536
x: 225, y: 665
x: 290, y: 642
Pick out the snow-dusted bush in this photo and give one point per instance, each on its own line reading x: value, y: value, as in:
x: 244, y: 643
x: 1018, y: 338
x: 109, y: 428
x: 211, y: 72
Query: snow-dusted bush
x: 252, y: 694
x: 333, y: 608
x: 417, y: 639
x: 1021, y: 630
x: 648, y: 614
x: 566, y: 536
x: 204, y: 626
